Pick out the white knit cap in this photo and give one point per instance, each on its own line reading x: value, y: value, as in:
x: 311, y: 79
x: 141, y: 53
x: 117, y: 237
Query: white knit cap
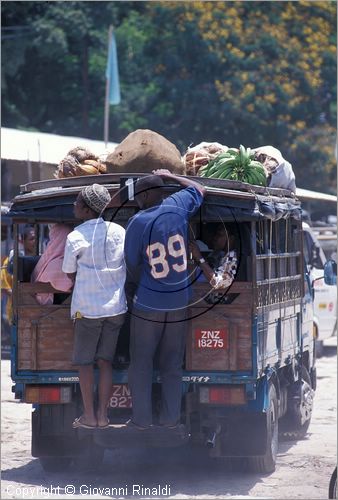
x: 96, y: 197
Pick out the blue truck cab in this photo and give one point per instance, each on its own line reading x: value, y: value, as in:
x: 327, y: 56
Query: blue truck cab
x: 249, y: 372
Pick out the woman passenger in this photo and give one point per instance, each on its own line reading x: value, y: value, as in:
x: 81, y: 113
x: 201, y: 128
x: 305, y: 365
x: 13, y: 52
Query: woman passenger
x: 49, y: 267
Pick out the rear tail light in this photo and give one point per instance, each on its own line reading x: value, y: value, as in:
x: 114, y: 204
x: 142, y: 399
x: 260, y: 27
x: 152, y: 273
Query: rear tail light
x: 48, y: 394
x: 223, y: 395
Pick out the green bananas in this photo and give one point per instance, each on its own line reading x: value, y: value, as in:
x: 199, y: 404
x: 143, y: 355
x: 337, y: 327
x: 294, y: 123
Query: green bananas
x: 236, y: 165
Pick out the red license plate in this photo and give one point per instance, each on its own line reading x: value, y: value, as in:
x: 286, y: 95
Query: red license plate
x: 120, y: 396
x: 211, y: 339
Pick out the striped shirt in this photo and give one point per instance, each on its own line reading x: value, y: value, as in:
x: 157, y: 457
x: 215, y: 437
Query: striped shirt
x: 225, y: 270
x: 94, y: 250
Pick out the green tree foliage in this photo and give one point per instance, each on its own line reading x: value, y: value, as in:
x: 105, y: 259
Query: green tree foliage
x: 55, y: 82
x: 253, y: 73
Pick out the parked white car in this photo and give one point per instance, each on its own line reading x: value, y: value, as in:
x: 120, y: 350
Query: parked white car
x: 325, y: 296
x: 327, y: 238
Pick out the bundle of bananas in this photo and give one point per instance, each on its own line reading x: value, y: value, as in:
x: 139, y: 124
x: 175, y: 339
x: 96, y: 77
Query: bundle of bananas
x: 236, y: 165
x: 79, y: 161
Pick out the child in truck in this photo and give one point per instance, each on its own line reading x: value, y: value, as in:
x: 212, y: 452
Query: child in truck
x: 27, y: 249
x: 94, y: 260
x: 220, y: 266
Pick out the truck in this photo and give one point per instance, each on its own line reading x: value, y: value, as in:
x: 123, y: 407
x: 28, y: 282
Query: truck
x: 325, y: 296
x: 249, y: 373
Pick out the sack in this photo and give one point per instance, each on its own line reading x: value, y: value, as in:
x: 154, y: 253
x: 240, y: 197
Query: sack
x: 279, y: 171
x: 200, y: 155
x: 143, y: 151
x: 79, y: 161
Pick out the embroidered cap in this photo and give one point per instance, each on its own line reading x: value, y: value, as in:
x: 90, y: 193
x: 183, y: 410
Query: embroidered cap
x: 96, y: 197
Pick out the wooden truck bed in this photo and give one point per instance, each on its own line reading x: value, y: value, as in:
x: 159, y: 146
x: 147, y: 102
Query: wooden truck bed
x: 45, y: 333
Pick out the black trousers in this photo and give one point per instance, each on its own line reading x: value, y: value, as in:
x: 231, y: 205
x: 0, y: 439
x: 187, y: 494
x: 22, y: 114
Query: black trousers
x: 165, y: 333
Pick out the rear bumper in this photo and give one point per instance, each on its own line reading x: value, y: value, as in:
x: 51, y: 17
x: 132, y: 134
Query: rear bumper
x: 120, y: 436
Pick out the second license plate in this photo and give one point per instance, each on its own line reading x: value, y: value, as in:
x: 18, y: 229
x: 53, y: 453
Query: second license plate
x: 120, y: 396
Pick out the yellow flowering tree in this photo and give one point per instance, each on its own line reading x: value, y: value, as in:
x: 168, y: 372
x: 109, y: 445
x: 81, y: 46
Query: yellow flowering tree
x: 248, y: 72
x: 236, y: 72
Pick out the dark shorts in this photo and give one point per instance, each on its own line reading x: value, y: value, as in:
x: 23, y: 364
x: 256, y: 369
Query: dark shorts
x: 96, y: 338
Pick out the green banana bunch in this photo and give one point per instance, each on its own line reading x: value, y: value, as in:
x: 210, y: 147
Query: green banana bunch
x: 236, y: 165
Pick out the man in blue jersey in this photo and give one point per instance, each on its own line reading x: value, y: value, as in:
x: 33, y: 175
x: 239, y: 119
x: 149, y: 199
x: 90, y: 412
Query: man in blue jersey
x: 156, y: 247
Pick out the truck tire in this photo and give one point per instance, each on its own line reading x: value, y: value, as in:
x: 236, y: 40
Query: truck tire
x: 333, y: 484
x: 319, y: 348
x: 291, y: 427
x: 267, y: 463
x: 55, y: 464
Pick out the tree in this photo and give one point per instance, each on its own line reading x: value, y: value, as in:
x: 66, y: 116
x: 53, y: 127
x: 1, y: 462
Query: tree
x: 249, y: 73
x: 56, y: 82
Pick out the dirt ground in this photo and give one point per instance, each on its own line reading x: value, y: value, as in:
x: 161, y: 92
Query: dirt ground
x: 303, y: 469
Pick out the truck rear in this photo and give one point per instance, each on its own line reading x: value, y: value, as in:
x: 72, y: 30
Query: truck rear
x: 249, y: 370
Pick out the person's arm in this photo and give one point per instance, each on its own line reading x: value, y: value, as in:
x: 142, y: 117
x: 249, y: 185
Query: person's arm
x: 202, y: 263
x: 183, y: 181
x: 72, y: 277
x: 223, y: 276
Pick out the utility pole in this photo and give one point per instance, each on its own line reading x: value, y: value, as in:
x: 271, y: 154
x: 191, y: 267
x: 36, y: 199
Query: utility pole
x: 85, y: 82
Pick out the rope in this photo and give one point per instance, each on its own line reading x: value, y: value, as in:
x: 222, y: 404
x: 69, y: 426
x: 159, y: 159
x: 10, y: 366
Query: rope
x: 269, y: 262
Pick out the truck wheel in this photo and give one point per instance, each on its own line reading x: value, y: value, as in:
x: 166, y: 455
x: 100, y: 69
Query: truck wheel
x: 55, y: 464
x: 333, y: 484
x: 319, y: 348
x: 267, y: 463
x: 292, y: 425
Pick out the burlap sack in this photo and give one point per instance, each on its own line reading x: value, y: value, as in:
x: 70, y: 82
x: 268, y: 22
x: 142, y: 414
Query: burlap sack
x: 79, y: 161
x: 145, y: 151
x: 200, y: 155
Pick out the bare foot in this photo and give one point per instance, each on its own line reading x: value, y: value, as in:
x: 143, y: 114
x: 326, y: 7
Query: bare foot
x: 85, y: 422
x: 102, y: 421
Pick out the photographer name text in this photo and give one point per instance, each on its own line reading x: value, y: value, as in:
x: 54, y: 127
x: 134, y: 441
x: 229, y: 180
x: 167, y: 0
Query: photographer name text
x: 136, y: 490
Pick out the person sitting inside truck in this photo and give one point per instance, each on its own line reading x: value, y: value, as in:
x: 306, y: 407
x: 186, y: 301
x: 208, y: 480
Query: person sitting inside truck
x: 27, y: 243
x: 49, y: 267
x: 94, y: 260
x: 220, y: 266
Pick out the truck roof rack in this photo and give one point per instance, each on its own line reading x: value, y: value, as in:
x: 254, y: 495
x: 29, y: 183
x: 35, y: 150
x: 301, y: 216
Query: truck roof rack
x: 115, y: 179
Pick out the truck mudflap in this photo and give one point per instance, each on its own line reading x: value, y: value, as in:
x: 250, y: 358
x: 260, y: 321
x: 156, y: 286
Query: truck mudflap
x: 52, y: 434
x: 238, y: 436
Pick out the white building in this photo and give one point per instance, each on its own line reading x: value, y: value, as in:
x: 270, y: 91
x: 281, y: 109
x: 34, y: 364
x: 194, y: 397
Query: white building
x: 33, y: 156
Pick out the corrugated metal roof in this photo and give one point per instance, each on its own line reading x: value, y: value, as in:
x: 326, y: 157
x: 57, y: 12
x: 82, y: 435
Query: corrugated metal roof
x: 21, y: 145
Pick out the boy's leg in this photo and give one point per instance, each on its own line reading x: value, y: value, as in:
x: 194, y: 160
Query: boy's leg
x: 110, y: 330
x: 86, y: 376
x: 86, y: 337
x: 105, y: 385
